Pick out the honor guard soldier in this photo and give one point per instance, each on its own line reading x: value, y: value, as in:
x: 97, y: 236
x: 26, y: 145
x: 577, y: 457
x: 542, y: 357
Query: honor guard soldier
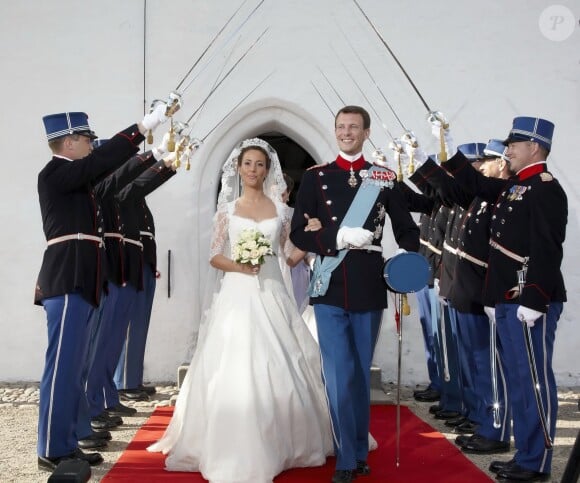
x: 71, y: 278
x: 525, y: 286
x: 129, y: 364
x: 352, y: 198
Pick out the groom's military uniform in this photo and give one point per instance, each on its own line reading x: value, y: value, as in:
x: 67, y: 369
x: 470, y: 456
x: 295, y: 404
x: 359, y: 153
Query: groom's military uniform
x: 348, y: 315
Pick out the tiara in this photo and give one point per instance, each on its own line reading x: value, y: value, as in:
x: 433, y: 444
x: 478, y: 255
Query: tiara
x: 246, y: 143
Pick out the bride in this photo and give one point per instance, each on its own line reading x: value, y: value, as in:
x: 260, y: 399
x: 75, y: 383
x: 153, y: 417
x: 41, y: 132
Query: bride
x: 252, y: 403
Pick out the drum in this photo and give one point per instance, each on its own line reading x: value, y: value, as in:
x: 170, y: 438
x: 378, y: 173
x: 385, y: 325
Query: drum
x: 406, y: 272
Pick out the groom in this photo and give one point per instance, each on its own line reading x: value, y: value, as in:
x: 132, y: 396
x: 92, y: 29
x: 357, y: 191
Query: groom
x: 347, y: 288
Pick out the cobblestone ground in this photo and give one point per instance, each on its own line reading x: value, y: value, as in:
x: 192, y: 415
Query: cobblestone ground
x: 19, y: 414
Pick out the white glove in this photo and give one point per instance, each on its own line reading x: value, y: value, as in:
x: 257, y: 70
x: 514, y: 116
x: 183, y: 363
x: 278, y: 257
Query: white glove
x: 419, y: 156
x: 436, y: 288
x: 490, y: 312
x: 449, y: 144
x: 357, y: 237
x: 400, y: 250
x: 162, y: 149
x: 169, y: 159
x: 155, y: 117
x: 529, y: 316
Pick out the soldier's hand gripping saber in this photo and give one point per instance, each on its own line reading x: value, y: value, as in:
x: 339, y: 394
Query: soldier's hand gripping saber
x: 544, y: 422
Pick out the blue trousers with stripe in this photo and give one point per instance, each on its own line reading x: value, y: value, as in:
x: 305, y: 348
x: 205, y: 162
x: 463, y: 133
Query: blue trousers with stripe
x: 68, y: 323
x: 346, y: 346
x: 101, y: 390
x: 531, y: 453
x: 424, y: 306
x: 129, y: 371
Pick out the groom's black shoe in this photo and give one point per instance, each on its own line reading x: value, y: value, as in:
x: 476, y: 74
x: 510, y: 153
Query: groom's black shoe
x: 362, y: 469
x: 344, y: 476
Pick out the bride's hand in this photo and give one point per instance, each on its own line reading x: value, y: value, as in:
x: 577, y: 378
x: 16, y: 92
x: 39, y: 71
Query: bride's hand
x: 313, y: 223
x: 249, y: 269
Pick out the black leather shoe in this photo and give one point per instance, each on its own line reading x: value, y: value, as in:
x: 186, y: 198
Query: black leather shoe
x: 50, y: 464
x: 435, y: 408
x: 362, y: 468
x: 496, y: 466
x: 428, y: 395
x: 149, y: 390
x: 444, y: 414
x: 462, y: 439
x: 517, y: 473
x: 455, y: 421
x: 91, y: 458
x: 133, y: 395
x: 467, y: 427
x: 92, y: 442
x: 343, y: 476
x: 104, y: 421
x: 478, y: 444
x: 121, y: 410
x: 103, y: 435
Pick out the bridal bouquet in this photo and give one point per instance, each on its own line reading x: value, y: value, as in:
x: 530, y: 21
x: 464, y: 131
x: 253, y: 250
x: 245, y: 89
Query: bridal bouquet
x: 252, y: 248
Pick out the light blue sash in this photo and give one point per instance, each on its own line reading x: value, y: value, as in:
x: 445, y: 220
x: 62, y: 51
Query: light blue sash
x: 356, y: 215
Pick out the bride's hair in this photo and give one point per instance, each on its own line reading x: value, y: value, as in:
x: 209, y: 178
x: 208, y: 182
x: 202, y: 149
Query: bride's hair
x: 274, y: 184
x: 254, y: 148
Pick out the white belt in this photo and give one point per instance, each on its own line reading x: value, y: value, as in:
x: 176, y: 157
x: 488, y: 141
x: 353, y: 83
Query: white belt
x: 75, y: 236
x: 370, y: 248
x: 467, y: 256
x: 424, y: 242
x: 133, y: 242
x: 147, y: 233
x: 509, y: 253
x: 114, y: 235
x: 433, y: 248
x: 449, y: 248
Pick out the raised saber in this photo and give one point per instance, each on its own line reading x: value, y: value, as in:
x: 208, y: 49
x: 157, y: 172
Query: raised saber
x: 228, y: 73
x: 393, y: 55
x: 323, y: 99
x: 341, y: 100
x: 215, y: 38
x: 237, y: 105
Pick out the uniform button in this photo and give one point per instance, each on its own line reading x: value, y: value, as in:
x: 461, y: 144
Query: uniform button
x: 503, y: 193
x: 502, y: 221
x: 334, y: 218
x: 329, y: 202
x: 493, y: 217
x: 99, y: 229
x: 324, y: 187
x: 328, y: 250
x: 320, y: 173
x: 469, y: 231
x: 469, y: 215
x: 510, y: 208
x: 498, y: 205
x: 477, y: 220
x: 497, y: 234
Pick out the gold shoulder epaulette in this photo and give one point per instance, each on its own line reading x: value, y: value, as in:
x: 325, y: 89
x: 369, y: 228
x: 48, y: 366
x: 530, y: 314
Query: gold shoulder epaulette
x: 545, y: 176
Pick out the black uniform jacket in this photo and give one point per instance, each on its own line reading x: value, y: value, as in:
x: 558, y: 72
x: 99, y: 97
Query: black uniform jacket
x: 69, y: 206
x: 106, y: 191
x: 529, y: 216
x: 357, y: 283
x: 131, y: 200
x: 466, y: 293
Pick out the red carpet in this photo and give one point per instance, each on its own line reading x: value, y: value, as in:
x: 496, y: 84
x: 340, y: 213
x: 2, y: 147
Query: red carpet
x: 425, y: 455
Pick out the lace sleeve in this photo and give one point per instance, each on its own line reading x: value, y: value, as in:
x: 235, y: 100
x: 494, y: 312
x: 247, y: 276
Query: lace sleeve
x: 286, y: 216
x: 219, y: 236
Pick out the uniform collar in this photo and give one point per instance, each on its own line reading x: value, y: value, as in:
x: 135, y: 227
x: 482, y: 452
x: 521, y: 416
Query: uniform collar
x: 346, y: 162
x: 531, y: 170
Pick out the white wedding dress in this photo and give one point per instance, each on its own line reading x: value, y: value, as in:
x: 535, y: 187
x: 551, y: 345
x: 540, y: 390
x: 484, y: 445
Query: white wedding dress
x: 252, y: 403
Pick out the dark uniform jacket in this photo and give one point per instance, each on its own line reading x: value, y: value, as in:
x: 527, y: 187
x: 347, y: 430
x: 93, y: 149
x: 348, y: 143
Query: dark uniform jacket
x: 466, y: 294
x: 131, y: 200
x: 357, y: 283
x: 69, y: 206
x: 106, y: 191
x: 530, y: 212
